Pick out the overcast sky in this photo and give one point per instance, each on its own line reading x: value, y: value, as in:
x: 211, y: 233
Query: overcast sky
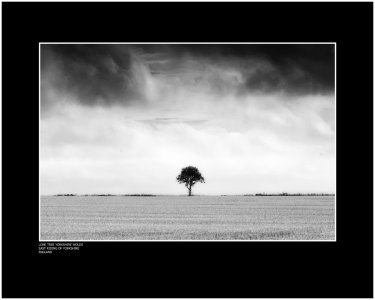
x: 127, y: 118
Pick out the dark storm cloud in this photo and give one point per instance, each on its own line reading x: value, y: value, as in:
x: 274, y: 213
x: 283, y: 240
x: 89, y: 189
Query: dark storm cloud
x: 106, y: 74
x: 296, y: 68
x: 91, y: 73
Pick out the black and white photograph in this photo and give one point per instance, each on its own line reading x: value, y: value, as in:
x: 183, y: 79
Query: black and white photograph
x: 200, y: 141
x: 187, y: 150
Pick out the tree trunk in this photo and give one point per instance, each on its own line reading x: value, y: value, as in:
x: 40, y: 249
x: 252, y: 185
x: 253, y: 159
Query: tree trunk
x: 190, y: 191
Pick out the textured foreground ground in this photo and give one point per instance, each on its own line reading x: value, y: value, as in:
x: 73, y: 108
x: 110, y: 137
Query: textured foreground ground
x: 187, y: 218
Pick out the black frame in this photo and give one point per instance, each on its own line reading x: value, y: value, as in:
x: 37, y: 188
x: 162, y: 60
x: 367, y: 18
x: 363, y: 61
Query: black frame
x: 183, y: 269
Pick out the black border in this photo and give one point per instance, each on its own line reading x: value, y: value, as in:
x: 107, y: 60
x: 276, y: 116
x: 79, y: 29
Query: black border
x: 184, y: 269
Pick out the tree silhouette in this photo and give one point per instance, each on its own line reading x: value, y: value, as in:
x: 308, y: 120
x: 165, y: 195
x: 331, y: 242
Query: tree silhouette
x: 190, y: 176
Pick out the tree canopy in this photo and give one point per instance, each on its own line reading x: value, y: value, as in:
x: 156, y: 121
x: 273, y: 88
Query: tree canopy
x: 190, y: 176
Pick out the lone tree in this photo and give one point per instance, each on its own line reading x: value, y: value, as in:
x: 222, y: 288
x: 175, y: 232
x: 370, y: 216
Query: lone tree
x: 190, y: 176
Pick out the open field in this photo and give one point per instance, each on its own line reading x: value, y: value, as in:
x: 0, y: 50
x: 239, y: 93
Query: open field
x: 188, y: 218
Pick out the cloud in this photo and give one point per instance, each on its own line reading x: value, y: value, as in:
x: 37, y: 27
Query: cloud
x: 166, y: 121
x: 127, y: 118
x: 90, y: 74
x: 137, y: 74
x: 261, y: 146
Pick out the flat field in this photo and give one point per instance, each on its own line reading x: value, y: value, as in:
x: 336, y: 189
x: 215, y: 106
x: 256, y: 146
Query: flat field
x: 187, y: 218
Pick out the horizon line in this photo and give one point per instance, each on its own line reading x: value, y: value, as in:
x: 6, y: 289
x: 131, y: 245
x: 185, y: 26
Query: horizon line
x: 151, y: 194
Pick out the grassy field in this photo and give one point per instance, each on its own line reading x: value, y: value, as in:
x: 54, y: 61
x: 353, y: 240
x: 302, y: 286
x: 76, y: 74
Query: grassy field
x: 188, y: 218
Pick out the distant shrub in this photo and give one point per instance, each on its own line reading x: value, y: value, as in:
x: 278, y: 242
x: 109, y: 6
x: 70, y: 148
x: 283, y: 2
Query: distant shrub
x: 296, y: 194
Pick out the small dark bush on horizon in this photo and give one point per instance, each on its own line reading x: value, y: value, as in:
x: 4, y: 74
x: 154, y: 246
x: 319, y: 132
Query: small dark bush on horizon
x: 295, y: 194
